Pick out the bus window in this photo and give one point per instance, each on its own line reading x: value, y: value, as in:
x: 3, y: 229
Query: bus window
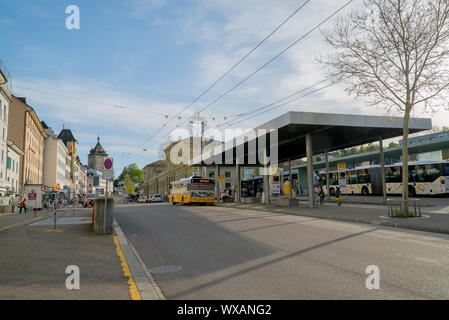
x: 420, y: 173
x: 393, y: 174
x: 432, y: 172
x: 363, y: 176
x: 446, y: 169
x: 351, y: 177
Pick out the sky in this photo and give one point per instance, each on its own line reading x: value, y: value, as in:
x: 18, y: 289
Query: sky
x: 133, y: 63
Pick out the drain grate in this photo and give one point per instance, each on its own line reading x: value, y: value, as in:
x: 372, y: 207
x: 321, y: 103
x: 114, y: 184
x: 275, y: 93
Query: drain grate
x: 164, y: 269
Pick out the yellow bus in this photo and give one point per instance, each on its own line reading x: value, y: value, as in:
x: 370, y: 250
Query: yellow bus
x: 193, y: 190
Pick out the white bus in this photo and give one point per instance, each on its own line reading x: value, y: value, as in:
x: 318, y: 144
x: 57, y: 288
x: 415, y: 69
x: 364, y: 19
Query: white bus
x: 425, y: 178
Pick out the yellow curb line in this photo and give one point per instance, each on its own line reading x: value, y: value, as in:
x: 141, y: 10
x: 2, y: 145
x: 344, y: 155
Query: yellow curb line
x: 18, y: 224
x: 135, y: 295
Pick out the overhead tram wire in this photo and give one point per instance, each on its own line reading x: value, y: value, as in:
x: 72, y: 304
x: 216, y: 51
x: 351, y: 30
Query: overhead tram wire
x: 276, y: 105
x: 285, y: 103
x: 274, y: 58
x: 229, y: 71
x: 93, y: 101
x: 278, y: 101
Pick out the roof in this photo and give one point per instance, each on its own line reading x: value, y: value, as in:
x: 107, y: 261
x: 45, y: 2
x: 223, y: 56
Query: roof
x: 98, y: 149
x: 156, y: 163
x: 66, y: 135
x: 328, y: 131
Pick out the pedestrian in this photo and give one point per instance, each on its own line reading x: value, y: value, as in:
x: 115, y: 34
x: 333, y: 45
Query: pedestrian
x: 338, y: 196
x: 23, y: 205
x: 322, y: 195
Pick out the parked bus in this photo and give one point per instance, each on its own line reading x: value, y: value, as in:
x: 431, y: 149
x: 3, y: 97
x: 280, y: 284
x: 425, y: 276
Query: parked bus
x: 193, y: 190
x: 425, y: 178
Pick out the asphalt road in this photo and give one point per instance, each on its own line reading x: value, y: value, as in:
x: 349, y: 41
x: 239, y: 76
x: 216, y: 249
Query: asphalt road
x: 227, y: 253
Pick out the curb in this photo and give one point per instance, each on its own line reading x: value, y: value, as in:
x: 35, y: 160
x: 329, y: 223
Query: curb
x: 145, y: 283
x: 352, y: 220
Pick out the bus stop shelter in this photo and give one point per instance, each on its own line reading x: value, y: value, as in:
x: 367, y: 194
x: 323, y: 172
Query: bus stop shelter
x: 296, y: 135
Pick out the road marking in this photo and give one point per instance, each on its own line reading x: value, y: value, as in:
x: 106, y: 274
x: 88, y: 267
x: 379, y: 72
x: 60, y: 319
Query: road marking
x: 20, y: 223
x: 53, y: 230
x: 135, y: 295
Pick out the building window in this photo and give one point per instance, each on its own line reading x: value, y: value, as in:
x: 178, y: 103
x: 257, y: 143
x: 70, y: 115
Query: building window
x: 227, y: 174
x: 442, y: 136
x: 211, y: 174
x: 227, y: 185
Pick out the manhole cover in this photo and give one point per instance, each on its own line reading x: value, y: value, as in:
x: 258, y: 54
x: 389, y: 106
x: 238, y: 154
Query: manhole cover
x: 163, y: 269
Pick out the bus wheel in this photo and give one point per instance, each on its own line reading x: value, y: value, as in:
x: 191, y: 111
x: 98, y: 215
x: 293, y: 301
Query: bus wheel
x: 411, y: 191
x: 365, y: 191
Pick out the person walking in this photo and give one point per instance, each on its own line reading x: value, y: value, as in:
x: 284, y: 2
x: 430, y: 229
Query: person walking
x: 322, y: 195
x: 23, y: 205
x: 338, y: 196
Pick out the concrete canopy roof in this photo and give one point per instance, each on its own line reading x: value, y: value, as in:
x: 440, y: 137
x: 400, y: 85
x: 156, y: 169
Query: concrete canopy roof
x: 329, y: 132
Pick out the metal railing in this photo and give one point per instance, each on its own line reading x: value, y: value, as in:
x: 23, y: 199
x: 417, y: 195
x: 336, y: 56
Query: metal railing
x: 394, y: 207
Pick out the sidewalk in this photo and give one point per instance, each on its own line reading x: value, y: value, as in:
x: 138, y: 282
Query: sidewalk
x: 34, y: 258
x: 369, y: 214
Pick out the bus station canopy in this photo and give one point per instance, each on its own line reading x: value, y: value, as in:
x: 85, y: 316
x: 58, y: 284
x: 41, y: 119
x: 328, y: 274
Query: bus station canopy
x: 328, y: 132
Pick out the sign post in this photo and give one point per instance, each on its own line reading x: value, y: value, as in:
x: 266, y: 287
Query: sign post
x: 107, y: 174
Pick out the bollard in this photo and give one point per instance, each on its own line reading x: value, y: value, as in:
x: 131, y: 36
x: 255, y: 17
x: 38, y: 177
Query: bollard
x: 34, y: 211
x: 55, y: 220
x: 93, y: 213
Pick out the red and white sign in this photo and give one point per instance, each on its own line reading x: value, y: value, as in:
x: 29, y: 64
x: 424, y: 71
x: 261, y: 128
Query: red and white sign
x: 107, y: 171
x: 108, y: 164
x: 32, y: 195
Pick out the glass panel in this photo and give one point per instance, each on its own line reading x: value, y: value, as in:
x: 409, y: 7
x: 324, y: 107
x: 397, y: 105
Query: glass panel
x: 446, y: 169
x: 363, y: 176
x: 432, y: 172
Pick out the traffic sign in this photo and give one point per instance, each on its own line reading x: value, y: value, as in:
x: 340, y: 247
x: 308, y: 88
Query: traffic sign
x: 108, y: 164
x: 107, y: 170
x: 65, y: 187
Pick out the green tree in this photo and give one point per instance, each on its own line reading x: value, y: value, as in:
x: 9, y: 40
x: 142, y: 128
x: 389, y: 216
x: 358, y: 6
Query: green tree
x: 135, y: 174
x: 129, y: 184
x: 392, y: 145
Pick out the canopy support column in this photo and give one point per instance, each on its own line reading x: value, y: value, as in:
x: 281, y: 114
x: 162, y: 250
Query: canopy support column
x: 290, y: 178
x: 266, y: 181
x: 382, y: 169
x: 309, y: 153
x: 237, y: 182
x: 327, y: 176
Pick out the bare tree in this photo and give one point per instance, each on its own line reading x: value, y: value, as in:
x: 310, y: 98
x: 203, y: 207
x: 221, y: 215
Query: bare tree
x: 395, y: 53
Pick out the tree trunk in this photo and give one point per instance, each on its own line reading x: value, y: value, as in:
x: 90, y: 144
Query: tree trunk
x: 405, y: 162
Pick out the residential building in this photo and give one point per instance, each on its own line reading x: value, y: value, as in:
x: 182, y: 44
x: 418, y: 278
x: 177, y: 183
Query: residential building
x: 55, y: 159
x: 27, y: 132
x: 5, y: 100
x: 12, y: 167
x: 71, y: 144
